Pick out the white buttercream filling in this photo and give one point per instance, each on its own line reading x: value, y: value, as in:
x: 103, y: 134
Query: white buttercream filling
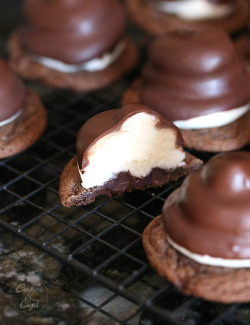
x: 195, y: 9
x: 210, y: 260
x: 12, y: 118
x: 138, y: 147
x: 96, y: 64
x: 216, y: 119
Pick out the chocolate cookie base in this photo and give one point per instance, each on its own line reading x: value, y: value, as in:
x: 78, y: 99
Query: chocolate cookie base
x: 229, y: 137
x: 24, y: 130
x: 156, y: 22
x: 218, y: 284
x: 72, y: 193
x: 21, y: 62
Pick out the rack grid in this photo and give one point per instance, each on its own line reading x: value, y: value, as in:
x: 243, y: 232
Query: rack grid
x: 103, y: 239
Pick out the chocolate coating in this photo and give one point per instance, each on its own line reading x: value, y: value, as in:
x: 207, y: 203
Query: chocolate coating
x: 210, y: 213
x: 111, y: 121
x: 72, y: 31
x: 12, y: 92
x: 193, y: 73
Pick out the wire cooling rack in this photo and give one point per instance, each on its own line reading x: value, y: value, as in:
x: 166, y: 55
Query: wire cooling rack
x: 103, y: 239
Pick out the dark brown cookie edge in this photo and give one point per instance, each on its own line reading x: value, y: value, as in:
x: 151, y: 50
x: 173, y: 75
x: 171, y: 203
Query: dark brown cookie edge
x: 81, y: 81
x: 211, y: 283
x: 26, y: 129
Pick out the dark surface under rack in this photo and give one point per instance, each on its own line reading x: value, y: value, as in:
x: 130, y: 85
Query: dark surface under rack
x: 103, y: 239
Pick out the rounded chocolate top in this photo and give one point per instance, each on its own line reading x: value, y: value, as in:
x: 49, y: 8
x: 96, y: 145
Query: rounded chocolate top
x: 210, y: 213
x: 193, y: 73
x: 12, y: 92
x: 72, y: 31
x: 111, y: 121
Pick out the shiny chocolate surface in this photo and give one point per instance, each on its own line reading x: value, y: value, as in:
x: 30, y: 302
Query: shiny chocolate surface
x: 73, y: 31
x: 194, y: 73
x: 210, y: 213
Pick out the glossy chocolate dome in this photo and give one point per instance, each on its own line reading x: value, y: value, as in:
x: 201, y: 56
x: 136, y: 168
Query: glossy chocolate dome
x: 210, y: 213
x: 194, y: 73
x: 72, y: 31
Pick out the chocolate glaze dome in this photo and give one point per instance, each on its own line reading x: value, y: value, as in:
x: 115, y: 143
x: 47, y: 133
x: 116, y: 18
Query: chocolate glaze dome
x: 193, y: 73
x: 72, y: 31
x: 12, y: 92
x: 210, y: 213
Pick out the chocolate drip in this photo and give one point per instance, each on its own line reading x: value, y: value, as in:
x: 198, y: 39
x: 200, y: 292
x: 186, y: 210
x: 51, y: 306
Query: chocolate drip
x: 111, y: 121
x: 193, y: 73
x: 12, y: 92
x: 210, y: 213
x: 72, y: 31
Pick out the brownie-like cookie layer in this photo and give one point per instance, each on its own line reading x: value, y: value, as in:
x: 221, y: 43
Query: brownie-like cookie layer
x: 217, y: 284
x: 229, y: 137
x: 22, y: 63
x: 72, y: 192
x: 24, y: 130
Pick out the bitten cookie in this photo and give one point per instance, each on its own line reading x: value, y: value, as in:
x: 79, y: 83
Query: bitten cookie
x: 201, y: 243
x: 22, y: 115
x: 161, y: 16
x: 78, y: 45
x: 124, y: 150
x: 197, y: 80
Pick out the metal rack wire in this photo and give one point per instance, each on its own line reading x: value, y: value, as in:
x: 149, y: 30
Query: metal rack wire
x: 103, y: 239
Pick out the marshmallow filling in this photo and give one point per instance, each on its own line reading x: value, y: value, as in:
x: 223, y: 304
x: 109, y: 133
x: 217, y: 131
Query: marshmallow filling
x: 96, y: 64
x: 12, y: 118
x: 212, y: 120
x: 137, y: 147
x: 210, y: 260
x: 195, y: 9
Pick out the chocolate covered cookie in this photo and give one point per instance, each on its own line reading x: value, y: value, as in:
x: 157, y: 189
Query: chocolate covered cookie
x: 123, y: 150
x: 79, y: 45
x: 160, y: 16
x: 197, y: 80
x: 201, y: 240
x: 22, y: 115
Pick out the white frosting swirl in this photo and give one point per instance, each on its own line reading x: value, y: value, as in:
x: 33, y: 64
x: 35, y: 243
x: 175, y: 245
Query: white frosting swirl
x: 213, y: 120
x: 96, y: 64
x: 210, y: 260
x: 12, y: 118
x: 195, y: 9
